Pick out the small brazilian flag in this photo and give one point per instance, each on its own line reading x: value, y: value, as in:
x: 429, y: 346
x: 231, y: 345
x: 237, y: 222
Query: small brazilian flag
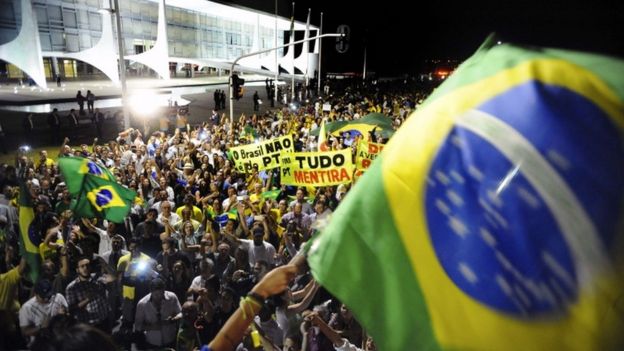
x: 492, y: 220
x: 271, y: 194
x: 74, y: 170
x: 28, y: 236
x: 105, y: 199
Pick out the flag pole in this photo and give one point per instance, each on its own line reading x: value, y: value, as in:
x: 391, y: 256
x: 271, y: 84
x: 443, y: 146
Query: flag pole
x: 292, y: 39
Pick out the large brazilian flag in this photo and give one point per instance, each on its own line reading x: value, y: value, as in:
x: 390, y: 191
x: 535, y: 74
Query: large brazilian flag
x: 503, y: 202
x: 104, y: 199
x: 74, y: 170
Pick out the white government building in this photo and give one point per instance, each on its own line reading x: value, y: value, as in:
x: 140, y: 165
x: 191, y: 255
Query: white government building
x: 75, y: 39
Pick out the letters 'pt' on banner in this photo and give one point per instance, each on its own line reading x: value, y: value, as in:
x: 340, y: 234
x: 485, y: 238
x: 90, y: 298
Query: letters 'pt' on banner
x: 317, y: 168
x: 265, y: 155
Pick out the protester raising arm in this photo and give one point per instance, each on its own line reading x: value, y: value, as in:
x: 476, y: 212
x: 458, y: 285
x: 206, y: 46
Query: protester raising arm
x: 275, y: 282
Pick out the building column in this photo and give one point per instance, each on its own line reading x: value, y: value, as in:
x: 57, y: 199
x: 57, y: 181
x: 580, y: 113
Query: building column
x: 55, y: 67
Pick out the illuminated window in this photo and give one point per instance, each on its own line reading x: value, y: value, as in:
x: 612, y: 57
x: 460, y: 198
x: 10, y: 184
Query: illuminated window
x: 70, y: 68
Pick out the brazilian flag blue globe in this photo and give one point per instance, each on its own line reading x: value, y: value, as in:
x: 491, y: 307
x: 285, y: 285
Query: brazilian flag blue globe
x: 493, y: 219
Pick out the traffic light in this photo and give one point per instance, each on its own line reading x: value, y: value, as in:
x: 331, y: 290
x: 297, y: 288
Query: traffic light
x: 237, y: 86
x: 342, y: 42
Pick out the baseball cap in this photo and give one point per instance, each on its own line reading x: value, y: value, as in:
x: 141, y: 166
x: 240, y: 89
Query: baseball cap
x: 43, y: 288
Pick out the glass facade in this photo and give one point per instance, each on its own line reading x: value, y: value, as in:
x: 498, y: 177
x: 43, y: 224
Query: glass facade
x: 76, y: 25
x: 68, y: 26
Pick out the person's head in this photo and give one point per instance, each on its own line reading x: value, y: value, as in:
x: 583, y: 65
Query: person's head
x: 187, y: 228
x: 258, y: 188
x: 213, y: 187
x: 241, y: 255
x: 186, y: 214
x: 298, y: 208
x: 224, y: 251
x: 117, y: 242
x: 300, y: 194
x: 168, y: 244
x: 43, y: 154
x: 283, y: 206
x: 188, y: 168
x: 292, y: 342
x: 206, y: 268
x: 345, y: 313
x: 165, y: 208
x: 152, y: 213
x: 320, y: 207
x: 157, y: 289
x: 179, y: 267
x: 216, y: 205
x: 82, y: 268
x: 134, y: 246
x: 111, y: 227
x: 190, y: 310
x: 43, y: 203
x: 230, y: 225
x: 65, y: 334
x: 162, y: 182
x: 258, y: 235
x: 43, y: 291
x: 48, y: 269
x: 260, y: 269
x: 189, y: 200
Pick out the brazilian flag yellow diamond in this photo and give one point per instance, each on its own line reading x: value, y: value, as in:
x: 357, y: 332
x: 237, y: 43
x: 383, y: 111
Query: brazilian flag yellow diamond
x: 105, y: 197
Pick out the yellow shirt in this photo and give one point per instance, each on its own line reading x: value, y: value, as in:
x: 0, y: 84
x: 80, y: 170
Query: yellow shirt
x: 123, y: 265
x: 8, y: 290
x: 48, y: 163
x: 197, y: 213
x: 47, y: 252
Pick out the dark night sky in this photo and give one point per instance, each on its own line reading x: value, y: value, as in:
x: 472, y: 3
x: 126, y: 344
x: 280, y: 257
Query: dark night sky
x: 399, y: 39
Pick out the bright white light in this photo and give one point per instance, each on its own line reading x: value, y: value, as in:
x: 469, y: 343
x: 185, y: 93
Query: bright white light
x: 143, y: 104
x: 499, y: 42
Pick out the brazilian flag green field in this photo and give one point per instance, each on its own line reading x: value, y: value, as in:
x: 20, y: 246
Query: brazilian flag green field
x: 493, y: 218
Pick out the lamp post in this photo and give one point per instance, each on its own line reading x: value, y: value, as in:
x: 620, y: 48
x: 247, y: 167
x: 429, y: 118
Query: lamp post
x: 122, y: 65
x: 333, y: 35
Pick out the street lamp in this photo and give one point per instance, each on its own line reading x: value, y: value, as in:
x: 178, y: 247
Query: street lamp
x: 333, y: 35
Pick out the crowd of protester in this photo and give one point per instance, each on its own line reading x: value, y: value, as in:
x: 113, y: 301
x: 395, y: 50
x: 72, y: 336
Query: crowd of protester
x: 174, y: 272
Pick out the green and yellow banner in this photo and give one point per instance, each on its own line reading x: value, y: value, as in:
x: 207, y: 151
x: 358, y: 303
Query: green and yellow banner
x: 264, y: 155
x: 366, y: 153
x: 317, y: 168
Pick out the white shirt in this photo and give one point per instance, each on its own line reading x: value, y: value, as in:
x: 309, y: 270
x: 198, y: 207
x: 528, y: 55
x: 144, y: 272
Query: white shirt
x: 198, y: 282
x: 264, y: 252
x: 34, y: 313
x: 346, y: 346
x: 146, y: 314
x: 105, y: 241
x: 173, y: 218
